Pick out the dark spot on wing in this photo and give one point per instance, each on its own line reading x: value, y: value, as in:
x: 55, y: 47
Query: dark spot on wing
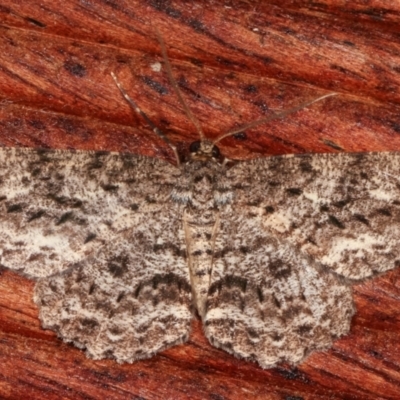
x: 252, y: 333
x: 222, y: 253
x: 354, y: 182
x: 95, y: 164
x: 90, y: 237
x: 294, y: 191
x: 118, y: 266
x: 279, y: 269
x: 169, y: 279
x: 36, y: 215
x: 384, y: 211
x: 91, y: 289
x: 342, y: 203
x: 109, y: 187
x: 198, y: 178
x: 150, y: 200
x: 361, y: 218
x: 276, y: 337
x: 116, y: 331
x: 229, y: 281
x: 35, y: 257
x: 254, y: 203
x: 260, y: 295
x: 65, y: 217
x: 276, y: 301
x: 89, y: 322
x: 305, y: 166
x: 76, y: 203
x: 335, y: 222
x: 223, y: 189
x: 36, y: 171
x: 101, y: 153
x: 311, y: 240
x: 14, y: 208
x: 304, y: 329
x: 43, y: 155
x: 274, y: 183
x: 175, y: 250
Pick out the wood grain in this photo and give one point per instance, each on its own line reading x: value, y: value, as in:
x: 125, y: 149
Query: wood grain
x: 235, y: 61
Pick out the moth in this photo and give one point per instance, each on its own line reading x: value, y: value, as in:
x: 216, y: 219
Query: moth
x: 125, y: 249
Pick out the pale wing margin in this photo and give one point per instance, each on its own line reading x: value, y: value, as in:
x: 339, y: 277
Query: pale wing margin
x: 58, y: 207
x: 342, y: 209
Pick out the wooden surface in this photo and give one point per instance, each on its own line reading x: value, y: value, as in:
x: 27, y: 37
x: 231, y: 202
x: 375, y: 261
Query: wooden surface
x: 235, y: 62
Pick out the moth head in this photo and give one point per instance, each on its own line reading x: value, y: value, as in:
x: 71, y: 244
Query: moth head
x: 204, y: 150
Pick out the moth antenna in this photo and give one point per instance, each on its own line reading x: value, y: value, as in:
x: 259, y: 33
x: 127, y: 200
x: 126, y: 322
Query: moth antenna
x: 272, y: 117
x: 137, y: 109
x: 175, y: 86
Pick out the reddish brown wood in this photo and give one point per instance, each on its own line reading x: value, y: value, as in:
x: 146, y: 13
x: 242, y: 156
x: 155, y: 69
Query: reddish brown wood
x: 235, y: 61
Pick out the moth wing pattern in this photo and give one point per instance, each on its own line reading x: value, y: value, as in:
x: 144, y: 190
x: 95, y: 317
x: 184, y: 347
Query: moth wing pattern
x: 341, y: 209
x: 267, y: 301
x: 299, y: 231
x: 79, y: 223
x: 103, y: 236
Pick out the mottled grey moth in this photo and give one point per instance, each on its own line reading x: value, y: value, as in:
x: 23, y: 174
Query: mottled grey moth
x: 125, y: 248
